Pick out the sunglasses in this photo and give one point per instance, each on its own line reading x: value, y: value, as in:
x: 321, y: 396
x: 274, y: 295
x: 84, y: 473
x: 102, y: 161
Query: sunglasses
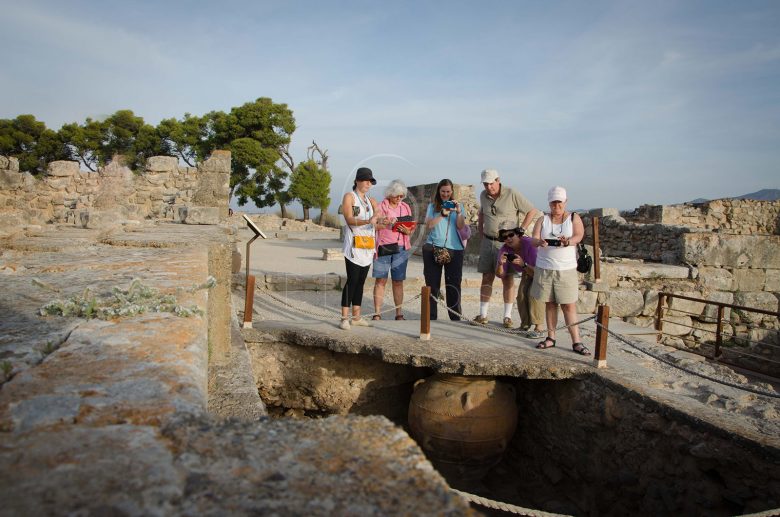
x: 505, y: 234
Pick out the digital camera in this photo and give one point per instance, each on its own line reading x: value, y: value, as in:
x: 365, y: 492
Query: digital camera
x: 510, y: 257
x: 448, y: 205
x: 553, y: 242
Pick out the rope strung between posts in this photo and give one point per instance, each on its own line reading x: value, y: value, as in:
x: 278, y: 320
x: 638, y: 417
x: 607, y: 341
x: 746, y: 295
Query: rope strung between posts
x: 687, y: 370
x: 501, y: 330
x: 505, y: 507
x: 334, y: 314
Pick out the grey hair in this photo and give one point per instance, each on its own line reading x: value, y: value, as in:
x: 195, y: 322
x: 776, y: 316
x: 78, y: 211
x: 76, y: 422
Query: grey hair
x: 396, y: 188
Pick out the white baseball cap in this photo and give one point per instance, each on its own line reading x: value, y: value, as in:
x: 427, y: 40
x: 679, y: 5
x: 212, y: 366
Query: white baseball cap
x: 556, y: 194
x: 489, y: 175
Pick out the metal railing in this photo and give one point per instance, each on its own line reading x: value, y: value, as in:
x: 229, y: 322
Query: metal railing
x: 723, y: 351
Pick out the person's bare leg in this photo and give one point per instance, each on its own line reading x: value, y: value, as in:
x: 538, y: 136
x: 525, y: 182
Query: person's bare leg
x: 398, y: 296
x: 379, y: 294
x: 486, y: 289
x: 570, y: 316
x: 551, y: 315
x: 508, y: 283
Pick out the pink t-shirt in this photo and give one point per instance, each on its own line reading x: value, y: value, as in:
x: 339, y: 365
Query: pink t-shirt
x: 387, y: 235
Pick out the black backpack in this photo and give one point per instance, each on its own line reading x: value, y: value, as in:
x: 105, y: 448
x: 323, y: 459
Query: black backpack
x: 584, y: 260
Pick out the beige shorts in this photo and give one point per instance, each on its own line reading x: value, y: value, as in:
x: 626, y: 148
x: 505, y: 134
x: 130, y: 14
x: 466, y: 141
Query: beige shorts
x: 555, y: 286
x: 488, y: 255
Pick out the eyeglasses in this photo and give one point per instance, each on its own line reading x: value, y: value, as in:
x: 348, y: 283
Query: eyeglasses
x: 505, y: 234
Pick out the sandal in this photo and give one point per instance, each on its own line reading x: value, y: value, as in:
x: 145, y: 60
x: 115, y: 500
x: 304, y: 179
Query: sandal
x: 580, y: 348
x: 399, y: 317
x: 543, y: 344
x: 376, y: 317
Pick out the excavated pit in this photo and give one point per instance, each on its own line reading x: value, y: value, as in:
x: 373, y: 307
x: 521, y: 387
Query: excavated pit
x: 583, y: 446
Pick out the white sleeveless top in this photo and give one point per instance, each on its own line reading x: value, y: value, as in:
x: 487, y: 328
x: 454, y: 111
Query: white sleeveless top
x: 358, y: 256
x: 555, y: 257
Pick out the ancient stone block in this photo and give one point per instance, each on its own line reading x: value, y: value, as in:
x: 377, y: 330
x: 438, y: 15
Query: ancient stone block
x: 218, y: 162
x: 10, y: 180
x: 716, y: 278
x: 710, y: 313
x: 200, y: 215
x: 680, y: 305
x: 736, y: 251
x: 162, y: 164
x: 604, y: 212
x: 57, y: 182
x: 651, y: 303
x: 772, y: 280
x: 586, y: 303
x: 623, y: 303
x: 676, y: 325
x: 760, y: 300
x: 749, y: 279
x: 62, y: 168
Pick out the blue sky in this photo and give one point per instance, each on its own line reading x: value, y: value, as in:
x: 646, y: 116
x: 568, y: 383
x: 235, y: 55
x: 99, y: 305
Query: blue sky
x: 622, y: 102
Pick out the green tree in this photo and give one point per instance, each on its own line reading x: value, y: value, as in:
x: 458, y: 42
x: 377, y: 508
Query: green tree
x: 184, y: 138
x: 84, y: 142
x: 256, y: 133
x: 310, y: 184
x: 31, y: 142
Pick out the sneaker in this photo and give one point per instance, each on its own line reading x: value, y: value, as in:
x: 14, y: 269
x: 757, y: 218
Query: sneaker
x: 535, y: 334
x: 508, y: 323
x: 360, y: 322
x: 480, y: 320
x: 344, y: 325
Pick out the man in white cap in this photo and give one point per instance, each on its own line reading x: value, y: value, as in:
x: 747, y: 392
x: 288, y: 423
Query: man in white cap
x: 496, y: 204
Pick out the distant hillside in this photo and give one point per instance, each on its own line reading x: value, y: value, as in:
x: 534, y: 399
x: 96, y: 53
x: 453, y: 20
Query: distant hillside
x: 767, y: 194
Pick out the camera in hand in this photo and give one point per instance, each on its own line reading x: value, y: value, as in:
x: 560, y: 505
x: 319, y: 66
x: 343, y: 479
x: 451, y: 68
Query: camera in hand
x: 510, y: 257
x: 553, y: 242
x: 448, y: 205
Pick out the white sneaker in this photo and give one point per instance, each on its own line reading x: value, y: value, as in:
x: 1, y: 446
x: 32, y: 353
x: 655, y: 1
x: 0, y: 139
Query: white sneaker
x: 360, y: 322
x: 344, y: 325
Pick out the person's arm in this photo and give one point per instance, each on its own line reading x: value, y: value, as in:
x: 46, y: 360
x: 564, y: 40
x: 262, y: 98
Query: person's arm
x: 460, y: 220
x: 537, y: 240
x: 529, y: 217
x: 578, y: 231
x: 432, y: 220
x: 479, y: 222
x: 346, y: 211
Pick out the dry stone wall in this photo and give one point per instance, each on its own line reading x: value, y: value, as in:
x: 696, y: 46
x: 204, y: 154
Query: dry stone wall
x: 736, y: 263
x: 112, y: 194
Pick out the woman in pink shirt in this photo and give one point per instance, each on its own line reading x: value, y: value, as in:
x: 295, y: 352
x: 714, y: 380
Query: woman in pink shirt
x: 392, y: 253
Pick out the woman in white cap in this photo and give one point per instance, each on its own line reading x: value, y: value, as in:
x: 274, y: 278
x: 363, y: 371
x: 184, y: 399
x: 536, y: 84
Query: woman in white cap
x: 555, y: 280
x: 360, y: 214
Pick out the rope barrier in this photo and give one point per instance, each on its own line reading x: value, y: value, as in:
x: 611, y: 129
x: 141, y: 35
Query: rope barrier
x: 688, y: 370
x: 505, y: 507
x: 501, y: 330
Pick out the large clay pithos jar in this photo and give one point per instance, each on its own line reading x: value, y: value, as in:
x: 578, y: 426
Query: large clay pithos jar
x: 463, y: 424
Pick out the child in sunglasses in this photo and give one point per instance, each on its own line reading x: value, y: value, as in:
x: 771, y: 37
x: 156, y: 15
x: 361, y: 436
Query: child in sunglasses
x: 518, y: 255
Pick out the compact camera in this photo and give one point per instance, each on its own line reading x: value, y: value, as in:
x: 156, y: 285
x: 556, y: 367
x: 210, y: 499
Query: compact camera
x: 448, y: 205
x: 510, y: 257
x: 554, y: 242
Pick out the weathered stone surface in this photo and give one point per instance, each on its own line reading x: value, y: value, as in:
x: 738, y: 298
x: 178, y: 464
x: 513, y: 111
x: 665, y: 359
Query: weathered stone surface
x: 625, y: 302
x: 749, y: 279
x: 689, y: 307
x: 201, y: 215
x: 676, y: 325
x: 218, y: 162
x: 736, y: 251
x: 651, y: 303
x: 63, y: 168
x: 586, y: 303
x: 605, y: 212
x: 162, y: 163
x: 10, y: 180
x: 293, y: 282
x: 772, y: 280
x: 761, y: 300
x: 710, y: 313
x: 716, y: 278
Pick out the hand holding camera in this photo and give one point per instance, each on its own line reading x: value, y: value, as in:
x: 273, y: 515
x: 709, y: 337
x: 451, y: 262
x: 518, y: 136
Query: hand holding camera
x: 553, y: 242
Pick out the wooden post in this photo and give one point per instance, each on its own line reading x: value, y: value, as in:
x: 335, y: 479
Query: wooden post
x: 425, y: 314
x: 596, y: 254
x: 249, y: 301
x: 659, y: 315
x: 602, y: 318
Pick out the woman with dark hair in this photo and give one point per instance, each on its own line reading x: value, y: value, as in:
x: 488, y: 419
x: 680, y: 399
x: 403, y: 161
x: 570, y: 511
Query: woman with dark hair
x: 360, y: 214
x: 444, y: 218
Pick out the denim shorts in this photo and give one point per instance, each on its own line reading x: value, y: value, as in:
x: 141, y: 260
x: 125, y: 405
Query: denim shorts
x: 394, y: 264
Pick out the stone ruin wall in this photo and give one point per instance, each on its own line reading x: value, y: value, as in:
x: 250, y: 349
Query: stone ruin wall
x: 114, y: 194
x: 681, y: 249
